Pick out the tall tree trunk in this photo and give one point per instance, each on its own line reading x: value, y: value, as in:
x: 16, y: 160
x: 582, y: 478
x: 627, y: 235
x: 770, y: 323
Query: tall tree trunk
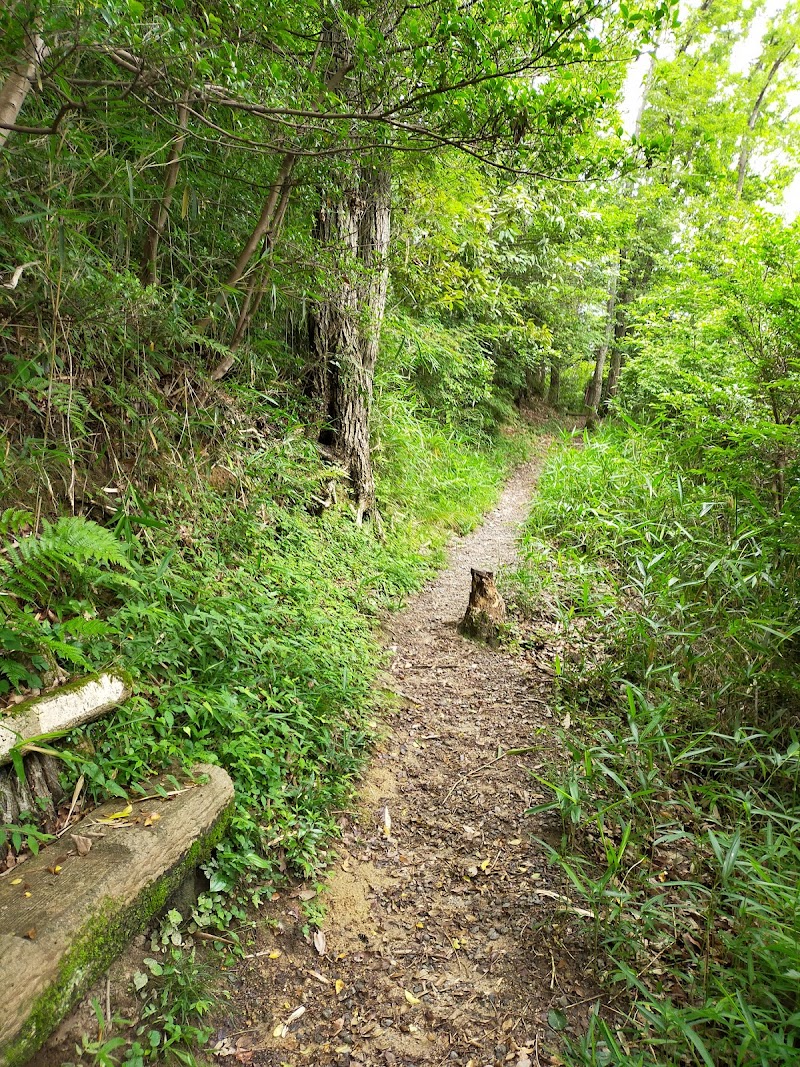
x: 345, y: 326
x: 160, y: 213
x: 536, y: 380
x: 595, y: 387
x: 554, y: 389
x: 744, y: 151
x: 18, y: 83
x: 611, y: 384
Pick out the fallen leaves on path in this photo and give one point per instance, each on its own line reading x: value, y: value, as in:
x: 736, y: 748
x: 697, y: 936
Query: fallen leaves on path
x: 448, y: 938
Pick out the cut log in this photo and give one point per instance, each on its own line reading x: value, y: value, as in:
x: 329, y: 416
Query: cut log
x: 486, y: 611
x: 69, y: 915
x: 61, y: 710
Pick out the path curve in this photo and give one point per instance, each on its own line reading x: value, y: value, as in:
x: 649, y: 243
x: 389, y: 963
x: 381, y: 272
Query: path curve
x: 441, y: 942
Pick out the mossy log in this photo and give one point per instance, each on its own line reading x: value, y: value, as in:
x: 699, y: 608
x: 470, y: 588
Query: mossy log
x: 64, y: 917
x: 43, y: 718
x: 61, y: 709
x: 486, y: 611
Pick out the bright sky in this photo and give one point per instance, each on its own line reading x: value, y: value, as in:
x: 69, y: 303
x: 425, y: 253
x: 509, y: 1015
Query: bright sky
x: 742, y: 55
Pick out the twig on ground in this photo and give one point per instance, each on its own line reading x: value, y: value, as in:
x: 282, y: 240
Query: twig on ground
x: 164, y: 796
x: 75, y: 794
x: 215, y: 937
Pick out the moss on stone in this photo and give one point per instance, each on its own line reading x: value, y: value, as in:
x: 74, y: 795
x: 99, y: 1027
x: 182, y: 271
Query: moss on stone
x: 100, y: 942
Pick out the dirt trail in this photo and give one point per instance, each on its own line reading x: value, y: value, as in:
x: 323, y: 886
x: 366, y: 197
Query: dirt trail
x: 444, y: 941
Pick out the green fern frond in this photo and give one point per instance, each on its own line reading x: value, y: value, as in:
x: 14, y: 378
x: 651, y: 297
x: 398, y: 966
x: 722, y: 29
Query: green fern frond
x: 80, y: 627
x: 84, y: 540
x: 74, y: 546
x: 14, y: 672
x: 13, y: 520
x: 63, y: 651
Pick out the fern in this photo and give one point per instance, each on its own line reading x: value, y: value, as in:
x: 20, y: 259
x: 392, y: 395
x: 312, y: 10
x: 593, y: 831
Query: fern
x: 14, y: 521
x: 33, y: 565
x: 72, y: 555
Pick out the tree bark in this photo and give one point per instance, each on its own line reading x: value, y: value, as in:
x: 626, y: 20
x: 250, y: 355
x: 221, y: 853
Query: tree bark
x: 160, y: 213
x: 345, y: 326
x: 611, y: 384
x: 535, y: 380
x: 594, y: 390
x: 554, y: 388
x: 18, y: 83
x: 486, y: 611
x: 744, y: 152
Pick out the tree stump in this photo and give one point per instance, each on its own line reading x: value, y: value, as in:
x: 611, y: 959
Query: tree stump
x: 486, y: 611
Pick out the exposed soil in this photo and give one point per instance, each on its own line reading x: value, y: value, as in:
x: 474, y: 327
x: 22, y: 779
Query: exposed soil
x: 447, y: 937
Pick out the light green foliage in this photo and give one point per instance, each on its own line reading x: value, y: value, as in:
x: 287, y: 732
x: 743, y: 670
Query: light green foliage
x: 70, y: 560
x: 447, y: 368
x: 174, y: 1000
x: 681, y: 809
x: 718, y: 337
x: 510, y: 269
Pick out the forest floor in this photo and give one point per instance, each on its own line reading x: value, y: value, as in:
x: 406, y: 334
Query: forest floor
x: 447, y: 937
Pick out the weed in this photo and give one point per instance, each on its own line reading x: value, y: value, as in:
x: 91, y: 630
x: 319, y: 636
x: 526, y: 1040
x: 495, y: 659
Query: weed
x: 680, y: 802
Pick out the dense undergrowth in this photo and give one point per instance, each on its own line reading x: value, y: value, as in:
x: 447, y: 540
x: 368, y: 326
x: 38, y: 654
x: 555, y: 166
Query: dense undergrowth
x: 674, y: 579
x: 220, y: 565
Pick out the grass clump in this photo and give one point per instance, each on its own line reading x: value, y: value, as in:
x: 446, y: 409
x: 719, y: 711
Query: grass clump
x: 677, y: 591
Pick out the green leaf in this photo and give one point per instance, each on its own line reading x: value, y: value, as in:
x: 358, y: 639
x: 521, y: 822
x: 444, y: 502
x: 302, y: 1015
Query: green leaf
x: 556, y: 1020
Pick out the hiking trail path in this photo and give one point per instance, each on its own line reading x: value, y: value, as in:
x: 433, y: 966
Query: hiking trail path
x: 447, y: 938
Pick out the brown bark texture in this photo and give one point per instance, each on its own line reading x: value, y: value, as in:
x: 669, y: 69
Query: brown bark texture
x: 627, y: 293
x: 353, y: 227
x: 595, y: 387
x: 486, y: 611
x: 38, y: 795
x: 536, y: 380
